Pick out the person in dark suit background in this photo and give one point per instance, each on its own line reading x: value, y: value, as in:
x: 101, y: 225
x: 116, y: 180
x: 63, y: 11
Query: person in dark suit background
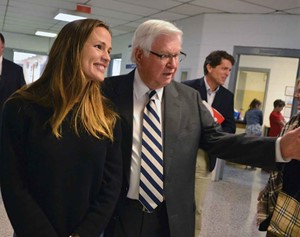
x: 186, y: 126
x: 217, y: 67
x: 12, y: 76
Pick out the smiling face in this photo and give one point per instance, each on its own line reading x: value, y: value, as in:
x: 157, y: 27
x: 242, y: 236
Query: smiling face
x: 217, y: 75
x: 154, y: 71
x: 96, y: 54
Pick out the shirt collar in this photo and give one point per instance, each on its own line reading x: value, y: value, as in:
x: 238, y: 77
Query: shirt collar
x: 208, y: 89
x: 140, y: 89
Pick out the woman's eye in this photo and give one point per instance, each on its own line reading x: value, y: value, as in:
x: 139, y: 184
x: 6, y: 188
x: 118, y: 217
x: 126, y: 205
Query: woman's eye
x: 98, y: 46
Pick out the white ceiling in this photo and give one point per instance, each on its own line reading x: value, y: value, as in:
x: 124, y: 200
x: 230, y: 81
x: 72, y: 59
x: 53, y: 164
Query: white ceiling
x: 123, y: 16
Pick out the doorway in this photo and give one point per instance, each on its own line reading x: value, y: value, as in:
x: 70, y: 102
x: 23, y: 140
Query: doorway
x: 251, y: 83
x: 282, y: 67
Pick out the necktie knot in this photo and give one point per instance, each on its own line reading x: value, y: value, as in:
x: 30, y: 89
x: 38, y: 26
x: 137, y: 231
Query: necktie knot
x: 151, y: 94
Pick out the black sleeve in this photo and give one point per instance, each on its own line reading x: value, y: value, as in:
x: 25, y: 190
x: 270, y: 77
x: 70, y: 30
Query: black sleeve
x: 24, y: 213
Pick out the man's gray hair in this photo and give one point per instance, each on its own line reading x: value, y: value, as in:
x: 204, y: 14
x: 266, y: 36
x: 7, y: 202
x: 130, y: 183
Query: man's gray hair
x: 148, y: 31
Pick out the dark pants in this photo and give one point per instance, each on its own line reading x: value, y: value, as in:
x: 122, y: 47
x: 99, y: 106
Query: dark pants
x: 134, y: 222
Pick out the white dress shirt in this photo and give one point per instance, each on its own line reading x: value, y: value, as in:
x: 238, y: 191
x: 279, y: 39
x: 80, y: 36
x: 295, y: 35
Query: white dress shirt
x: 140, y: 98
x: 210, y: 93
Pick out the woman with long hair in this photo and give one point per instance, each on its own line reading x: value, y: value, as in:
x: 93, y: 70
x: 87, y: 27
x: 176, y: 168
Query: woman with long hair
x: 60, y: 150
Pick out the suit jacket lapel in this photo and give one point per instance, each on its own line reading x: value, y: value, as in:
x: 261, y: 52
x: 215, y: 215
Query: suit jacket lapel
x: 172, y: 117
x: 124, y: 94
x: 219, y: 99
x: 202, y: 89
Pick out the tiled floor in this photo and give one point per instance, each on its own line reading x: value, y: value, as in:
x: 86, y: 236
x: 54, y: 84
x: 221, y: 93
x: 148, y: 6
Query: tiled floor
x: 230, y: 205
x: 5, y: 227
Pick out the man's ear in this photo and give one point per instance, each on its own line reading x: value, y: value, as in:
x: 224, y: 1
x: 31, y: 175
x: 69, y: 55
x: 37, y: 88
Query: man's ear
x: 209, y: 67
x: 139, y: 53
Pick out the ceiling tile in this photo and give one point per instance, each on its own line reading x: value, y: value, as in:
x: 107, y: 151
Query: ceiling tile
x: 191, y: 10
x: 232, y: 6
x: 25, y: 16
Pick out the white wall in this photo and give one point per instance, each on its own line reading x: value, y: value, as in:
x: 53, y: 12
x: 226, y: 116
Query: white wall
x: 192, y: 39
x: 122, y: 45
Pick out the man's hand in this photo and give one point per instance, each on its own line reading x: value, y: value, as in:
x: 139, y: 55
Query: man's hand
x: 290, y: 145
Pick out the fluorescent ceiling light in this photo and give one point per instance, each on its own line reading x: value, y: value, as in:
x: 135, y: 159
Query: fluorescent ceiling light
x: 45, y: 34
x: 68, y: 16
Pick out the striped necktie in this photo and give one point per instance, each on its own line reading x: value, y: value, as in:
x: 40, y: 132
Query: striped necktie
x: 151, y: 176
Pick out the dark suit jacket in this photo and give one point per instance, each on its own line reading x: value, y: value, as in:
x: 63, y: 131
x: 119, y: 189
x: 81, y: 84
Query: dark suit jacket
x: 12, y: 79
x: 187, y: 126
x: 223, y: 102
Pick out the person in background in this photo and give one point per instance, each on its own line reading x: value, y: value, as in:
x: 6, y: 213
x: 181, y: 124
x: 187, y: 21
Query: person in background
x: 287, y: 180
x: 160, y: 141
x: 277, y: 120
x: 61, y: 165
x: 11, y: 75
x: 217, y: 67
x: 11, y: 78
x: 254, y: 120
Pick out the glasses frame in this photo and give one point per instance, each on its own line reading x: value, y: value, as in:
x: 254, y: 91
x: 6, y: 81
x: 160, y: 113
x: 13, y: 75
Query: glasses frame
x: 169, y: 56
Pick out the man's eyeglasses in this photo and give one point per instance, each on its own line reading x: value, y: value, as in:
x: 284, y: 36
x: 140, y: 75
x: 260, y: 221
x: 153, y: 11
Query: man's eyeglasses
x: 166, y: 57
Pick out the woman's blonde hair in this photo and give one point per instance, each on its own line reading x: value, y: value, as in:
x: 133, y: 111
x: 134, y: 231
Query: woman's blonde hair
x: 64, y: 87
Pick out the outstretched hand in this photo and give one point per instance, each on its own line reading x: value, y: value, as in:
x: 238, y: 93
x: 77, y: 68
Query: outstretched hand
x: 290, y: 145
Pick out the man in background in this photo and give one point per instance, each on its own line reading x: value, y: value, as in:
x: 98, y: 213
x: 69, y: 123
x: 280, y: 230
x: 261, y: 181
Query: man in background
x: 217, y: 67
x: 11, y: 76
